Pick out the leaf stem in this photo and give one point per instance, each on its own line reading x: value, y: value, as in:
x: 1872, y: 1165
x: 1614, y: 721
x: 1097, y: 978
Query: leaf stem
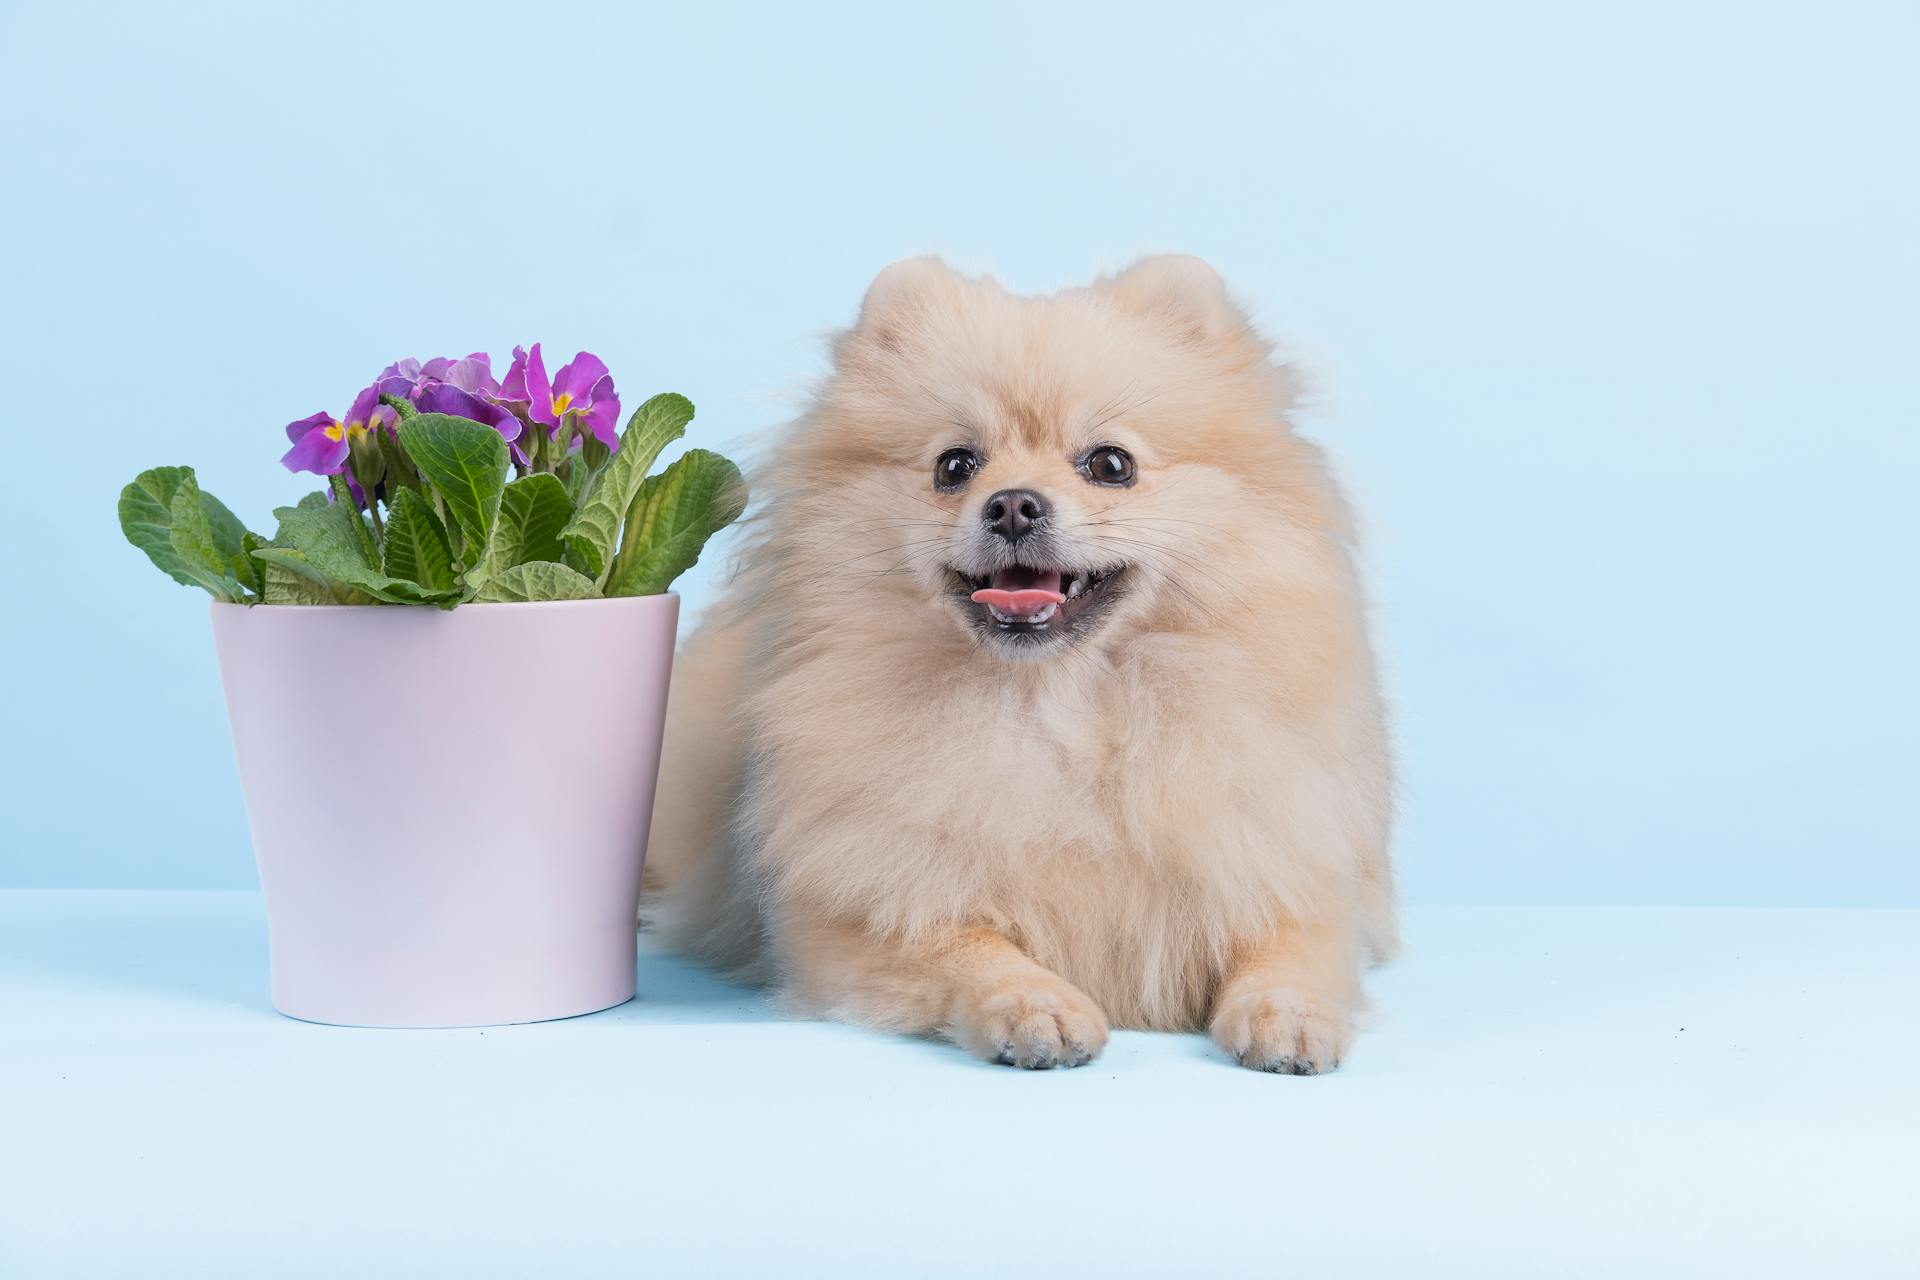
x: 344, y: 496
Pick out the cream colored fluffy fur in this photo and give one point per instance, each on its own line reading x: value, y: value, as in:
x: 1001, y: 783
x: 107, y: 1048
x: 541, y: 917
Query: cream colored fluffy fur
x: 1178, y: 821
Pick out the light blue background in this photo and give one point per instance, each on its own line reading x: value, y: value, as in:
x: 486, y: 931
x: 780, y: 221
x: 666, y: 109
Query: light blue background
x: 1613, y: 309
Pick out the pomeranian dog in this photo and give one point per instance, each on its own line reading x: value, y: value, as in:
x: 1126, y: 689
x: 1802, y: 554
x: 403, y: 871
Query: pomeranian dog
x: 1041, y: 701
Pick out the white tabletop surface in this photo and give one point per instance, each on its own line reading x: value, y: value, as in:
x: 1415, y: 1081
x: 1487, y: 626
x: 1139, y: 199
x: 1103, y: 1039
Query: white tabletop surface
x: 1546, y: 1093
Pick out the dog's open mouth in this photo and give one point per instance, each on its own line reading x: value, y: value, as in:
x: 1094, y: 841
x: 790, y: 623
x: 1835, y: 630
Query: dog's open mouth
x: 1024, y: 601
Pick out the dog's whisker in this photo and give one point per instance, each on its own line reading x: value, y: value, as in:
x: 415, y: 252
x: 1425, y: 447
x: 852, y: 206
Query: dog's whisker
x: 912, y: 562
x: 898, y: 546
x: 1123, y: 521
x: 1184, y: 559
x: 902, y: 523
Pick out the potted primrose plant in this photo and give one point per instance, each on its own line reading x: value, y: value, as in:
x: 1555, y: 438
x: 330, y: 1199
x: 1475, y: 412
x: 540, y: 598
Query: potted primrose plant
x: 449, y: 800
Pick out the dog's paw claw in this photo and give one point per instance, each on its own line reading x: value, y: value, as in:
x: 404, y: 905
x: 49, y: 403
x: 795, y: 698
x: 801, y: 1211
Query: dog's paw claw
x: 1037, y: 1025
x: 1281, y: 1031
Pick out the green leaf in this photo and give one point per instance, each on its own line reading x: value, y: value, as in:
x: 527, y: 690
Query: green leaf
x: 351, y: 584
x: 417, y: 548
x: 578, y: 477
x: 250, y: 571
x: 321, y: 543
x: 671, y: 519
x: 198, y: 548
x: 189, y: 535
x: 398, y: 468
x: 318, y: 500
x: 466, y: 463
x: 146, y: 517
x: 590, y: 537
x: 229, y: 535
x: 533, y: 511
x: 535, y: 581
x: 343, y: 498
x: 283, y: 584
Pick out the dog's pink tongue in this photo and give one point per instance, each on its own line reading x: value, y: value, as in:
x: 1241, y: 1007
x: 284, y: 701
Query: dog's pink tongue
x: 1020, y: 590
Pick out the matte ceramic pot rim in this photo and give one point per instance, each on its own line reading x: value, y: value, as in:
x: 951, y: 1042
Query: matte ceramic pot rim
x: 549, y: 606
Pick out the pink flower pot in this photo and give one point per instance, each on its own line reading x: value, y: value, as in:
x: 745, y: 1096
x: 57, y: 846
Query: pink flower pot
x: 449, y: 809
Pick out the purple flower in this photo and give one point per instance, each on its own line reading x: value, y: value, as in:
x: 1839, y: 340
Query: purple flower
x: 403, y: 377
x: 582, y: 390
x: 464, y: 388
x: 513, y: 390
x: 408, y: 378
x: 321, y: 442
x: 444, y: 397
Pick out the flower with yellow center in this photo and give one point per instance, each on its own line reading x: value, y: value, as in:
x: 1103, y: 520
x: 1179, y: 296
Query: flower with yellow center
x: 577, y: 402
x: 322, y: 442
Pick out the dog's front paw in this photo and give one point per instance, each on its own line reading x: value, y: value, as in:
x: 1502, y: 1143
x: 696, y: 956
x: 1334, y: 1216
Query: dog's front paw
x: 1035, y: 1022
x: 1281, y: 1029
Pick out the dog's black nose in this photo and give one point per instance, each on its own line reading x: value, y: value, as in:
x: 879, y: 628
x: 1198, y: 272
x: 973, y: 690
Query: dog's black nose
x: 1012, y: 513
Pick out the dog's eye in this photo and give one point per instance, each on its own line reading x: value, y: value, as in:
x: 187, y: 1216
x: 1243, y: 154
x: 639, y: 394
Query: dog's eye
x: 1110, y: 465
x: 954, y: 468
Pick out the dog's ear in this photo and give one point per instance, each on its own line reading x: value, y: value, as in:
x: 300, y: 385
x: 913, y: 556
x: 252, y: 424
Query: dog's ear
x: 901, y: 296
x: 1183, y: 293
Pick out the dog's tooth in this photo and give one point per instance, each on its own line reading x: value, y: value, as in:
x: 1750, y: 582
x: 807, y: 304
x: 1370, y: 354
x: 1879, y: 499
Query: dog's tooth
x: 1075, y: 587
